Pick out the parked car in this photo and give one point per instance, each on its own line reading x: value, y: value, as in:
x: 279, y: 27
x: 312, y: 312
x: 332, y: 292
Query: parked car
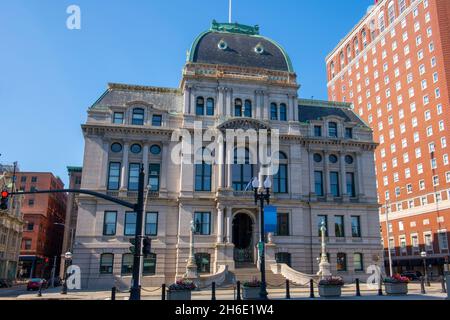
x: 412, y: 275
x: 35, y: 283
x: 5, y: 283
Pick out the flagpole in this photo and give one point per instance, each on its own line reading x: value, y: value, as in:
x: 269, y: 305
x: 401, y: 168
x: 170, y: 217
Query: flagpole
x: 229, y: 11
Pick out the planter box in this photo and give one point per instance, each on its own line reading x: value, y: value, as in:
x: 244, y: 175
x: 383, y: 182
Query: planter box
x: 396, y: 288
x: 250, y: 293
x: 179, y: 295
x: 330, y: 291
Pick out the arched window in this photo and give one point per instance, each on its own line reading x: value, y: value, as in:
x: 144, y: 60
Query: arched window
x: 358, y: 261
x: 364, y: 38
x: 273, y: 111
x: 138, y: 117
x: 349, y: 53
x: 149, y: 268
x: 402, y: 5
x: 280, y: 180
x: 203, y: 261
x: 283, y: 112
x: 106, y: 263
x: 391, y: 12
x: 332, y: 70
x: 127, y: 264
x: 203, y: 172
x: 341, y: 262
x: 238, y: 108
x: 200, y: 106
x: 242, y: 169
x: 283, y: 257
x: 381, y: 23
x: 210, y: 107
x: 356, y: 46
x: 248, y: 109
x: 342, y: 59
x: 373, y: 30
x: 332, y: 129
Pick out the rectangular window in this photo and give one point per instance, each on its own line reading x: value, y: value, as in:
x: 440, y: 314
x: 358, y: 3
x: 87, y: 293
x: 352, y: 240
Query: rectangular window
x: 27, y: 244
x: 348, y: 133
x: 358, y: 262
x: 282, y: 224
x: 356, y: 227
x: 443, y: 240
x: 350, y: 177
x: 130, y: 224
x: 156, y: 120
x: 203, y: 174
x: 202, y: 223
x: 318, y: 181
x: 106, y: 263
x: 151, y: 224
x: 114, y: 176
x: 339, y: 226
x: 317, y: 131
x: 428, y: 242
x: 133, y: 176
x: 153, y: 176
x: 332, y: 129
x: 109, y: 223
x: 334, y: 184
x: 34, y: 179
x: 118, y: 118
x: 283, y: 112
x: 322, y: 220
x: 341, y: 264
x: 149, y: 265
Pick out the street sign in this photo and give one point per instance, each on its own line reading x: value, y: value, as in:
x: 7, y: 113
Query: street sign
x: 260, y: 248
x: 270, y: 219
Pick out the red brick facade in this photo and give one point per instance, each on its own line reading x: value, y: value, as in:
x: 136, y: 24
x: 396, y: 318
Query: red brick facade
x: 44, y: 216
x: 394, y: 66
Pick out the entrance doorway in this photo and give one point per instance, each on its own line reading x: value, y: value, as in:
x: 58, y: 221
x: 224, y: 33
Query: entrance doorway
x: 243, y: 239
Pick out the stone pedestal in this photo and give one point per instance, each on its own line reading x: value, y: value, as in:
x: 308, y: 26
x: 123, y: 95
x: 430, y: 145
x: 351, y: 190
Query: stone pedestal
x: 270, y: 255
x: 224, y: 256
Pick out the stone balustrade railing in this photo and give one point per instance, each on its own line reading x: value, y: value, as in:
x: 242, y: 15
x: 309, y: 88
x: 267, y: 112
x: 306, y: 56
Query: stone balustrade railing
x: 205, y: 281
x: 295, y: 276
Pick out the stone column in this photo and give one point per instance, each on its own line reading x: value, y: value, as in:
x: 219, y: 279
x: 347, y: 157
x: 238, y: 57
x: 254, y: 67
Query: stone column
x: 164, y: 165
x: 342, y: 175
x: 266, y: 106
x: 359, y: 175
x: 326, y: 176
x: 124, y: 173
x: 296, y: 115
x: 104, y: 173
x: 290, y: 105
x: 311, y: 172
x: 229, y: 226
x: 220, y: 100
x: 145, y: 162
x: 220, y: 165
x: 229, y: 161
x: 187, y: 99
x: 228, y: 102
x: 219, y: 224
x: 192, y: 101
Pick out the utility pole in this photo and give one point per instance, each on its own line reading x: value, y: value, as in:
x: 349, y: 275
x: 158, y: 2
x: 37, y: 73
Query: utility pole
x: 387, y: 205
x: 53, y: 272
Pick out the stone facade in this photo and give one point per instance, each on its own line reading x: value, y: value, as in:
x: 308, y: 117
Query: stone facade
x: 115, y: 126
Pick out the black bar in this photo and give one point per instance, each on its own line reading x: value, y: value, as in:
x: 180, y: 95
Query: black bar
x: 288, y: 291
x: 358, y: 292
x: 311, y: 288
x: 113, y: 293
x: 163, y: 292
x: 89, y: 192
x: 135, y: 292
x: 238, y: 294
x: 213, y: 291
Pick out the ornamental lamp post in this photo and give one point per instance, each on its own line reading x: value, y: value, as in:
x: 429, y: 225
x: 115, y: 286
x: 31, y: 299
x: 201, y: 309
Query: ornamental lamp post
x: 263, y: 195
x: 423, y: 254
x: 67, y: 260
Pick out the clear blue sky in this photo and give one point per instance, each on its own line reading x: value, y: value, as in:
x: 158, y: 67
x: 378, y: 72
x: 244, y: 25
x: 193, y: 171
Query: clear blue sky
x: 50, y: 75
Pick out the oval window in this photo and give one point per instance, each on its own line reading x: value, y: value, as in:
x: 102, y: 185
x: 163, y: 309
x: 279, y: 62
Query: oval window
x: 155, y: 150
x: 317, y: 157
x: 116, y: 147
x: 136, y: 148
x: 333, y: 158
x: 349, y: 159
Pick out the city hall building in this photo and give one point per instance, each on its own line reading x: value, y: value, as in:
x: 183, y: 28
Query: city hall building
x: 233, y: 78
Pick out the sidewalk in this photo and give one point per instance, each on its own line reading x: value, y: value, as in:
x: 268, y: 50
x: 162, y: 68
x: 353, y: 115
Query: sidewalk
x: 348, y: 293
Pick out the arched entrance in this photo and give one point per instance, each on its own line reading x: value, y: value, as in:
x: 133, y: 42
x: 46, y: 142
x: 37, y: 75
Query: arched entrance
x: 243, y: 239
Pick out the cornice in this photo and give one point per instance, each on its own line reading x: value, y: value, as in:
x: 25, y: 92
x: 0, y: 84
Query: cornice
x: 129, y: 87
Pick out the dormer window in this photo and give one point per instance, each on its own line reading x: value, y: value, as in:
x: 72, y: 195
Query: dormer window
x: 259, y: 49
x: 317, y: 131
x: 222, y: 45
x: 138, y: 117
x: 118, y: 118
x: 332, y: 130
x: 348, y: 133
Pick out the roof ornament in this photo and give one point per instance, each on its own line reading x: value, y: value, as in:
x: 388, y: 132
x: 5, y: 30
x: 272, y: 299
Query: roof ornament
x: 234, y: 28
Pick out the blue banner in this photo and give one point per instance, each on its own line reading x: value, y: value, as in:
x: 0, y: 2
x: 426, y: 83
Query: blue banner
x: 270, y: 219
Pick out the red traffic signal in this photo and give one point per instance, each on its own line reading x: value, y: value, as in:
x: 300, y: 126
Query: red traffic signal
x: 46, y: 260
x: 5, y: 194
x: 4, y: 200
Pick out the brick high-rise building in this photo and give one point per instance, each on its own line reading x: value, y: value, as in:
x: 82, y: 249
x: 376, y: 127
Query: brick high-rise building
x: 394, y: 66
x: 44, y: 216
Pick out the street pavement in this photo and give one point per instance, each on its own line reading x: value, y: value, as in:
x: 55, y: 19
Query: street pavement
x: 297, y: 293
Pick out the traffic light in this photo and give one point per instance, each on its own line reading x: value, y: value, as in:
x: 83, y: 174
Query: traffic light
x: 132, y: 247
x: 46, y: 260
x: 146, y: 246
x: 4, y: 200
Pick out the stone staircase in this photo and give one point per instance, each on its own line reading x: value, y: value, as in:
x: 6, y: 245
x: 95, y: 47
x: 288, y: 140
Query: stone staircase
x: 250, y: 272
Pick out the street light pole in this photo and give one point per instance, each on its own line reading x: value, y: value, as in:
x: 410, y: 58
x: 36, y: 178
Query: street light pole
x: 67, y: 258
x: 388, y: 237
x: 262, y: 196
x: 135, y: 292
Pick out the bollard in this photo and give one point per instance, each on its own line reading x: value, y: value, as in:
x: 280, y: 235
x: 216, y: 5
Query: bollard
x: 238, y: 295
x: 311, y: 288
x: 113, y: 293
x: 443, y: 289
x: 288, y: 290
x: 422, y: 285
x: 213, y: 291
x: 358, y: 292
x: 380, y: 286
x: 163, y: 292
